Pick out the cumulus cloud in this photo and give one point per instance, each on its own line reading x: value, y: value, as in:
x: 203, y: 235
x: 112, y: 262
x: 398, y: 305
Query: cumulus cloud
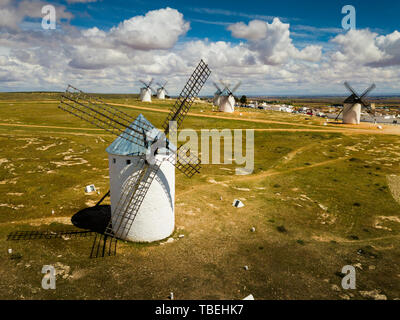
x: 267, y: 60
x: 13, y: 13
x: 363, y: 47
x: 272, y: 42
x: 255, y: 30
x: 158, y: 29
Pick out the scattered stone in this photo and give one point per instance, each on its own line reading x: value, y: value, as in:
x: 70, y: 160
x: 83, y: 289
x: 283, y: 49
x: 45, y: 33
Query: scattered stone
x: 220, y: 198
x: 246, y: 268
x: 344, y: 297
x: 371, y: 267
x: 253, y: 229
x: 249, y: 297
x: 170, y: 240
x: 171, y: 296
x: 323, y: 207
x: 335, y: 288
x: 374, y: 294
x: 9, y: 251
x: 52, y: 211
x: 90, y: 188
x: 181, y: 236
x: 358, y: 265
x: 237, y: 204
x: 62, y: 270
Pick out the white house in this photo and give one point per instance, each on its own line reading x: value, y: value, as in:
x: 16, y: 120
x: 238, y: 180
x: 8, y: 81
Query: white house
x: 156, y: 217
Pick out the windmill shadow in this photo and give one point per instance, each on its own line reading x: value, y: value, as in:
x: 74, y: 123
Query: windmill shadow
x: 94, y: 218
x: 97, y: 219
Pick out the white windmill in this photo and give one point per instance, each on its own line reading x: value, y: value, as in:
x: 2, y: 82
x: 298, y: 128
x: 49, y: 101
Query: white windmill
x: 156, y: 218
x: 227, y: 99
x: 146, y: 91
x: 161, y: 91
x: 142, y: 162
x: 353, y: 104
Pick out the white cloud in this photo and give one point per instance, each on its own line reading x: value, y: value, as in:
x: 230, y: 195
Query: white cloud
x: 256, y: 30
x: 267, y: 60
x: 358, y: 46
x: 158, y: 29
x: 13, y: 13
x: 272, y: 42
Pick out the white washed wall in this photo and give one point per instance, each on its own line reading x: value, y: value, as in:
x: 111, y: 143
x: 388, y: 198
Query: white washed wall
x: 352, y: 113
x: 156, y: 217
x: 227, y: 104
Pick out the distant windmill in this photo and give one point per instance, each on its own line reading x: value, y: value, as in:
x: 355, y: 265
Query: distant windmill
x: 138, y: 170
x: 161, y: 91
x: 227, y: 98
x: 217, y: 95
x: 146, y: 91
x: 353, y: 104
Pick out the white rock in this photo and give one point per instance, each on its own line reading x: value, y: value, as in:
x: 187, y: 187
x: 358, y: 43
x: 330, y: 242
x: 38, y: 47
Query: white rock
x: 249, y: 297
x: 10, y: 251
x: 181, y: 236
x: 335, y: 288
x: 374, y: 294
x: 246, y: 268
x: 170, y: 240
x: 237, y: 203
x: 253, y: 229
x: 359, y: 266
x: 171, y: 296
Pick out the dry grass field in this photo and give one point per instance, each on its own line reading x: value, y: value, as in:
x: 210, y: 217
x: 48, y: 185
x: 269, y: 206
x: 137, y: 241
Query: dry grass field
x: 321, y: 197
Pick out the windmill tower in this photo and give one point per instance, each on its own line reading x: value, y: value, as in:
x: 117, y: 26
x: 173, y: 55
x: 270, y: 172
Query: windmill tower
x: 142, y: 162
x: 353, y: 104
x: 146, y: 91
x: 156, y: 217
x: 227, y: 99
x: 161, y: 91
x: 217, y: 95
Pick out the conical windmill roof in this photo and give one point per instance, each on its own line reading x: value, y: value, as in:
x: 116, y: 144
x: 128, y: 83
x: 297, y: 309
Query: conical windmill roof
x: 351, y: 99
x: 124, y: 147
x: 225, y: 92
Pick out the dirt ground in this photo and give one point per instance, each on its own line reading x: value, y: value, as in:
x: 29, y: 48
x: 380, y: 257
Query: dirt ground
x: 320, y: 198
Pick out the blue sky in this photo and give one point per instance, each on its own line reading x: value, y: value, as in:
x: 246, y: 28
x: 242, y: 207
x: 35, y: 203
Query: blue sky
x: 210, y: 18
x: 277, y: 47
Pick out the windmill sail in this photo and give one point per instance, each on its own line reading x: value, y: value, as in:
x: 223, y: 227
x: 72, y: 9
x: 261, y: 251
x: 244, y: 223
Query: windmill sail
x: 114, y: 121
x: 187, y: 96
x: 136, y: 188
